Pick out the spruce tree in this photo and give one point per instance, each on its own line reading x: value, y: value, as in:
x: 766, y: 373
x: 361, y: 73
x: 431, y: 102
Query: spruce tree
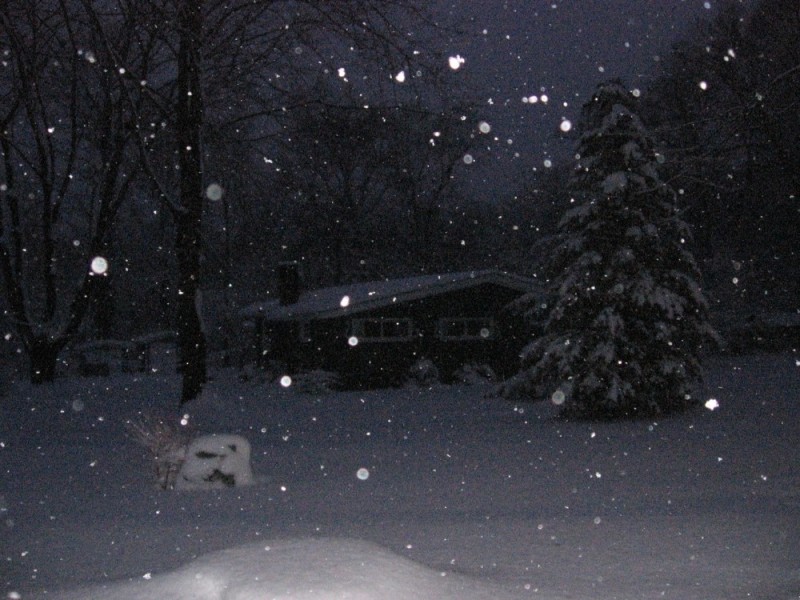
x: 628, y: 320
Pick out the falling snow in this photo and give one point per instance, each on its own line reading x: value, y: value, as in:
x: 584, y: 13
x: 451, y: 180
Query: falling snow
x: 558, y: 397
x: 99, y: 265
x: 214, y: 192
x: 455, y: 62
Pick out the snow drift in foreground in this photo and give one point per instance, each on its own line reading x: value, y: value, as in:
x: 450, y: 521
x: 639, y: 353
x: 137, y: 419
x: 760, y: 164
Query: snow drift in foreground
x: 322, y: 569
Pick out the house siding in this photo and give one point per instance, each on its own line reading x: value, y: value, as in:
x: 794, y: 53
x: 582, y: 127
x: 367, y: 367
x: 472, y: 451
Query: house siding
x: 306, y: 344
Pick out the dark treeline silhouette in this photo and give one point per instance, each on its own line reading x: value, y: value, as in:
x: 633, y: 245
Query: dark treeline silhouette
x: 195, y: 145
x: 168, y: 110
x: 725, y: 108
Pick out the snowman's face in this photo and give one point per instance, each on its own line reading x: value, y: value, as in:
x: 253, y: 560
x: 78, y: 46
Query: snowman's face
x: 216, y: 461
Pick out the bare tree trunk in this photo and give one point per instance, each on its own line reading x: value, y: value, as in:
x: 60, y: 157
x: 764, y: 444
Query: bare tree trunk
x: 189, y: 109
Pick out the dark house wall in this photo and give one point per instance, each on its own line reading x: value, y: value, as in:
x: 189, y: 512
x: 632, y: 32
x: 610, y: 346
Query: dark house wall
x: 476, y: 329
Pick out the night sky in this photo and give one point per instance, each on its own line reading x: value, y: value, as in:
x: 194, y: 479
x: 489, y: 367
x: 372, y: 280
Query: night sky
x: 516, y: 49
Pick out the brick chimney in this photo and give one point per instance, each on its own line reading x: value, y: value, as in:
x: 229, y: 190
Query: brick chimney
x: 289, y: 282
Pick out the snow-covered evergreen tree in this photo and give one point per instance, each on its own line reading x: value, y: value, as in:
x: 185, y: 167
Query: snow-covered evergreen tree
x: 629, y: 320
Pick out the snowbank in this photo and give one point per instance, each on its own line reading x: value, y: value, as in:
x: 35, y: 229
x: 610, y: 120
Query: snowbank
x: 704, y: 506
x: 322, y: 569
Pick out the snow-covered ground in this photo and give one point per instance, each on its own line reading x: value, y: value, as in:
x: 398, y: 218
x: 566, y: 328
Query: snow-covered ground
x: 466, y: 497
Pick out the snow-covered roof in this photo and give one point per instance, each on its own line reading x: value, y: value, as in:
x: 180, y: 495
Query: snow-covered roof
x: 358, y: 297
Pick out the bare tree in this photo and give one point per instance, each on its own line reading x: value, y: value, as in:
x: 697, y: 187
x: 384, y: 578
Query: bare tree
x: 369, y: 188
x: 226, y: 70
x: 428, y: 148
x: 189, y: 216
x: 335, y: 177
x: 726, y: 105
x: 64, y: 138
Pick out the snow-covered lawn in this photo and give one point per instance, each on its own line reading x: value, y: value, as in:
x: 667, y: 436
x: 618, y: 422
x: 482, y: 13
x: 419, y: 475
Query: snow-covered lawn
x: 466, y: 497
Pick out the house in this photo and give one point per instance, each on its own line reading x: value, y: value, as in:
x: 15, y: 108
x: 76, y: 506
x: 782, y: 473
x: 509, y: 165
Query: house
x: 373, y: 333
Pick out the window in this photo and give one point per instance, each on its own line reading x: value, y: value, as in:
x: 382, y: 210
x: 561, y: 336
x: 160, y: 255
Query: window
x: 465, y: 328
x: 382, y: 329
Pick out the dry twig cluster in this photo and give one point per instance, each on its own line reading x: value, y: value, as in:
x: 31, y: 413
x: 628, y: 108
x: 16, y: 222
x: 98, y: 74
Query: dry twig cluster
x: 167, y: 442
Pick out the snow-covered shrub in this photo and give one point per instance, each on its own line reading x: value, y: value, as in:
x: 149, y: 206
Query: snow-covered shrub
x: 216, y: 461
x: 629, y: 323
x: 423, y: 373
x: 474, y: 374
x: 316, y: 382
x: 166, y: 442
